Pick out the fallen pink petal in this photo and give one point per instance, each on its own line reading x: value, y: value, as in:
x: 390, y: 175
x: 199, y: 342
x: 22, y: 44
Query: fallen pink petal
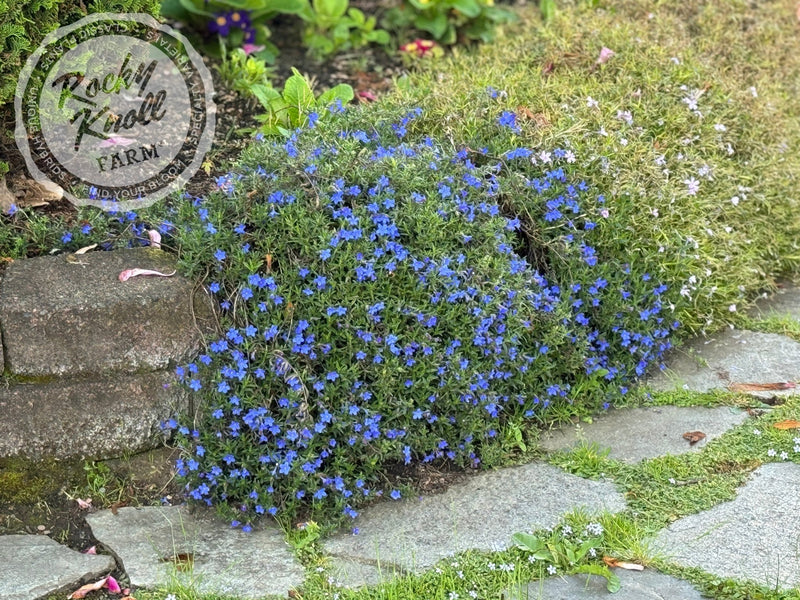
x: 155, y: 238
x: 116, y: 140
x: 84, y: 504
x: 128, y: 273
x: 113, y: 586
x: 85, y: 589
x: 250, y: 48
x: 91, y: 550
x: 366, y: 96
x: 605, y: 54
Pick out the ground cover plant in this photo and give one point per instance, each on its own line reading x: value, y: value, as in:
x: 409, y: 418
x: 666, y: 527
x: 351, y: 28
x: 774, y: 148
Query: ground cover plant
x: 555, y: 197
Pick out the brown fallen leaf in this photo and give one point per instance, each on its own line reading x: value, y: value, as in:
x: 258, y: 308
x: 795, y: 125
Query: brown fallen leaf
x: 116, y: 506
x: 694, y: 436
x: 85, y: 249
x: 762, y: 387
x: 787, y: 424
x: 183, y: 562
x: 85, y: 589
x: 613, y: 562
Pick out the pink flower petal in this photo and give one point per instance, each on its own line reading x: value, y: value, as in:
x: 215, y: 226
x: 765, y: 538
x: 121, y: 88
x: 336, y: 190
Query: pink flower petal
x: 91, y: 550
x: 112, y: 585
x: 605, y: 54
x: 116, y: 140
x: 84, y: 504
x: 250, y: 48
x: 128, y: 273
x: 155, y: 238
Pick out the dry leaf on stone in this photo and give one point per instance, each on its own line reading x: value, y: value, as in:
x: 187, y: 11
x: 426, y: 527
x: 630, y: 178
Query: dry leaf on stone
x: 694, y: 436
x: 128, y: 273
x: 613, y: 562
x: 762, y: 387
x: 85, y: 589
x: 183, y: 562
x: 85, y: 249
x: 787, y: 424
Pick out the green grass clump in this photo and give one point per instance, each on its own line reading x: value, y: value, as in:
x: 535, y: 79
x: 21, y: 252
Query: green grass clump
x: 694, y: 96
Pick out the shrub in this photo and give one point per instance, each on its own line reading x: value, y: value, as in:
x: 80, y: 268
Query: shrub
x: 378, y: 313
x: 26, y: 23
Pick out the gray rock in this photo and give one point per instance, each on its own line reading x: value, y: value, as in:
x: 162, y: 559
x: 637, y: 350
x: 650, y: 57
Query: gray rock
x: 785, y: 301
x: 155, y: 544
x: 731, y: 356
x: 633, y: 434
x: 752, y: 537
x: 34, y: 566
x: 96, y: 418
x: 61, y: 318
x: 481, y: 513
x: 636, y: 585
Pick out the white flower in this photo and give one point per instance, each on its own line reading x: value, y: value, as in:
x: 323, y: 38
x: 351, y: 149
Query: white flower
x: 753, y: 91
x: 675, y: 60
x: 784, y: 455
x: 602, y: 131
x: 492, y: 566
x: 592, y: 552
x: 569, y: 155
x: 531, y: 559
x: 591, y: 102
x: 472, y: 594
x: 661, y: 160
x: 729, y: 149
x: 771, y: 452
x: 453, y: 596
x: 460, y: 574
x: 692, y: 186
x: 720, y: 127
x: 625, y: 115
x: 704, y: 171
x: 544, y: 156
x: 756, y: 432
x: 732, y: 308
x: 551, y: 569
x: 623, y: 141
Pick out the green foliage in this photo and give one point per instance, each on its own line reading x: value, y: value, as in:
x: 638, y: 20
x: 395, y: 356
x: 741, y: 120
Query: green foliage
x: 291, y: 109
x: 241, y: 72
x: 448, y: 20
x: 332, y: 26
x: 25, y: 24
x: 563, y: 551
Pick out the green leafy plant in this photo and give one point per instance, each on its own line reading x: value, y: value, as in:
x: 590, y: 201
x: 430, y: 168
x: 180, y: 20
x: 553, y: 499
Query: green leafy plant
x: 562, y: 551
x: 236, y: 22
x: 296, y: 105
x: 449, y: 20
x: 241, y: 72
x: 333, y: 26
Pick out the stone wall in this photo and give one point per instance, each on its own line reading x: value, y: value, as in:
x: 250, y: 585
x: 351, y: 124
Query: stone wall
x: 88, y: 359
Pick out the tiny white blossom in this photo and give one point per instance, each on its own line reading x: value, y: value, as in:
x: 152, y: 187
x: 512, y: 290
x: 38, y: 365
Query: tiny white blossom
x: 661, y: 160
x: 672, y: 480
x: 453, y: 596
x: 704, y: 171
x: 753, y: 91
x: 531, y: 559
x: 602, y: 131
x: 625, y: 115
x: 675, y: 60
x: 472, y: 594
x: 460, y: 574
x: 591, y: 102
x: 732, y: 308
x: 720, y: 127
x: 796, y: 440
x: 592, y: 552
x: 170, y: 597
x: 730, y: 150
x: 784, y: 455
x: 569, y: 155
x: 544, y: 156
x: 492, y: 566
x: 692, y: 186
x: 735, y: 200
x: 551, y: 569
x: 771, y: 452
x: 756, y: 432
x: 623, y: 141
x: 797, y: 448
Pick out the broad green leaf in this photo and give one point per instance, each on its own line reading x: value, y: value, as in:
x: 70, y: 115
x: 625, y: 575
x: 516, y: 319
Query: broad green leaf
x: 274, y: 7
x: 357, y: 16
x: 331, y: 9
x: 379, y: 36
x: 469, y: 8
x: 264, y: 94
x: 194, y: 8
x: 436, y: 24
x: 341, y: 92
x: 527, y: 541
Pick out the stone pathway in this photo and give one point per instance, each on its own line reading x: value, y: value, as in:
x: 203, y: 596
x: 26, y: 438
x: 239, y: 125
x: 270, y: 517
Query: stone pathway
x: 753, y: 538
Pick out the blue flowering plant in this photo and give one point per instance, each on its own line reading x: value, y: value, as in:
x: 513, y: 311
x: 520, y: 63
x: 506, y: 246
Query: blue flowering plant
x: 380, y: 308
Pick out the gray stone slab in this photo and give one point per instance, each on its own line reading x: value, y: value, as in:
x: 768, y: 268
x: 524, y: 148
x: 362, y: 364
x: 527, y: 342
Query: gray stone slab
x: 481, y: 513
x: 34, y: 566
x: 785, y: 301
x: 633, y: 434
x: 62, y: 318
x: 636, y: 585
x: 224, y: 560
x: 731, y: 356
x: 97, y: 418
x: 755, y: 537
